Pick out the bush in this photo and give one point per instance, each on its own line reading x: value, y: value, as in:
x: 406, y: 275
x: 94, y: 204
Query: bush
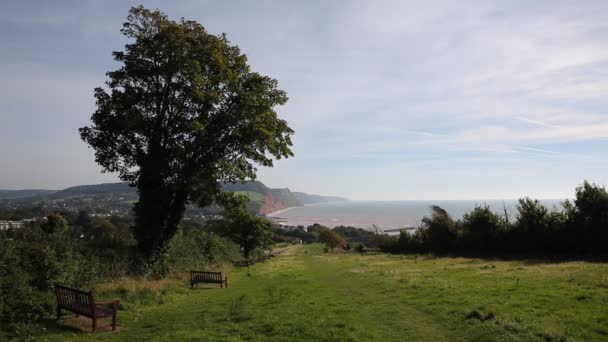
x: 360, y: 248
x: 409, y: 243
x: 438, y: 232
x: 199, y: 249
x: 331, y: 238
x: 589, y: 219
x: 20, y: 302
x: 480, y: 229
x: 289, y: 234
x: 579, y: 228
x: 32, y: 260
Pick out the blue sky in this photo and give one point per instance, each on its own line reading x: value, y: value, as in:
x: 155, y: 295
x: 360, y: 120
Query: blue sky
x: 389, y: 99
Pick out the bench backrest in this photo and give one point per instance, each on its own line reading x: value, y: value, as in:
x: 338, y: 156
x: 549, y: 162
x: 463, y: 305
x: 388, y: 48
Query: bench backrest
x: 206, y: 276
x: 78, y: 301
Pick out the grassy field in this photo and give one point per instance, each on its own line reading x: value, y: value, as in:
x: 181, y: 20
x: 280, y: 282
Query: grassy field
x: 253, y: 196
x: 348, y: 297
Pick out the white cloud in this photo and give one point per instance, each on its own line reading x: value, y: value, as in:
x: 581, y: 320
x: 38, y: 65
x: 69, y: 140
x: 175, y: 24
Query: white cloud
x: 380, y: 89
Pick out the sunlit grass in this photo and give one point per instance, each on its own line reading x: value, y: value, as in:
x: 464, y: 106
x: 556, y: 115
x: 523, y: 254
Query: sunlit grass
x: 310, y: 296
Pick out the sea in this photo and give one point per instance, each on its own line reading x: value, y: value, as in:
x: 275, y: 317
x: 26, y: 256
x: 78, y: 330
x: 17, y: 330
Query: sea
x: 388, y: 215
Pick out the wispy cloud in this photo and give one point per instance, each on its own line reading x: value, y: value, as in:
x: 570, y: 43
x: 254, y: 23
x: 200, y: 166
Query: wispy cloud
x: 479, y: 94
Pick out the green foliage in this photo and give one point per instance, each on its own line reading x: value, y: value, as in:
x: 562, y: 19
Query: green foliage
x: 198, y: 250
x: 480, y: 229
x: 532, y: 225
x: 32, y: 260
x: 239, y: 225
x: 281, y: 234
x: 330, y: 238
x: 184, y: 114
x: 360, y: 248
x: 590, y: 218
x: 357, y: 235
x: 579, y: 229
x: 409, y: 242
x: 19, y: 300
x: 55, y: 224
x: 438, y: 231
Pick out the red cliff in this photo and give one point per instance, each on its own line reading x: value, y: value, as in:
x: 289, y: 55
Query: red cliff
x: 271, y: 204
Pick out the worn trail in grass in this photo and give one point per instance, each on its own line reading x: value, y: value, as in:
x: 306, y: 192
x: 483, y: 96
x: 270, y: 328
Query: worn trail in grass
x: 322, y: 297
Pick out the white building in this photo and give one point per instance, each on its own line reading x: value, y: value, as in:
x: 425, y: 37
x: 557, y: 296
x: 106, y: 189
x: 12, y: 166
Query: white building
x: 5, y: 225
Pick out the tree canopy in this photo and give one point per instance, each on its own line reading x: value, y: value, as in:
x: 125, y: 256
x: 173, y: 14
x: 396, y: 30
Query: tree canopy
x: 183, y: 114
x: 243, y: 228
x: 331, y: 238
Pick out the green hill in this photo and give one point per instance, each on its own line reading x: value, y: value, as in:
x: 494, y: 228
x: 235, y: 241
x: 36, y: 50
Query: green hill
x: 96, y: 189
x: 121, y: 196
x: 27, y: 193
x: 305, y: 198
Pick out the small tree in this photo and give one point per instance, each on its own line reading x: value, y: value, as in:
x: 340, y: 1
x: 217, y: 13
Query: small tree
x: 531, y: 226
x: 480, y: 228
x: 55, y: 225
x: 331, y: 238
x: 590, y: 218
x: 438, y: 232
x: 245, y: 229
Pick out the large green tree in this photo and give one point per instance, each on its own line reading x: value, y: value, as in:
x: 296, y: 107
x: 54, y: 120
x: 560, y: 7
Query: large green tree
x: 183, y: 114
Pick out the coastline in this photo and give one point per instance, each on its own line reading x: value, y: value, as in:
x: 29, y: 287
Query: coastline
x: 300, y: 206
x: 278, y: 211
x: 385, y: 214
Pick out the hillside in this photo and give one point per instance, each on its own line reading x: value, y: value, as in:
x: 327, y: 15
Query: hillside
x: 305, y: 198
x: 27, y: 193
x: 119, y: 197
x: 96, y: 189
x: 265, y: 200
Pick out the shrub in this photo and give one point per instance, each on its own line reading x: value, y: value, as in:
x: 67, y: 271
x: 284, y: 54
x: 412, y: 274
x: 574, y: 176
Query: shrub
x: 589, y: 222
x: 438, y: 232
x: 198, y: 249
x: 409, y: 243
x: 480, y: 228
x: 580, y: 227
x: 32, y: 260
x: 331, y: 238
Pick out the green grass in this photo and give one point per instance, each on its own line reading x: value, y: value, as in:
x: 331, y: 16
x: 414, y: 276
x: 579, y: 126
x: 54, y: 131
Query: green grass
x: 348, y: 297
x: 253, y: 196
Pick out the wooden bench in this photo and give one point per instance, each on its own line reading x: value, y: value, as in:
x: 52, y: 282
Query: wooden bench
x: 83, y: 303
x: 207, y: 277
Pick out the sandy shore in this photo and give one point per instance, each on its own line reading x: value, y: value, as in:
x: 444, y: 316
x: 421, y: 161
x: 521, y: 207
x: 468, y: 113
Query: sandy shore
x: 274, y: 213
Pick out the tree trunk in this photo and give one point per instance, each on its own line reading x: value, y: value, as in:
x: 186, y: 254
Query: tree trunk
x: 157, y: 213
x: 246, y: 252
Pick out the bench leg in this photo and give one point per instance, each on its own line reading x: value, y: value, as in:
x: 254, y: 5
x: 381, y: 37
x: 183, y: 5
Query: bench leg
x: 58, y: 313
x: 94, y: 324
x: 113, y: 319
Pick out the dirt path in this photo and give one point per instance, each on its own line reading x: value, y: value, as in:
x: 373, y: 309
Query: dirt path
x: 289, y: 250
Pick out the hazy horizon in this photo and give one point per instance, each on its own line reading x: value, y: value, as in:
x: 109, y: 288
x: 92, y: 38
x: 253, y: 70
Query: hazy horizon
x: 371, y: 200
x: 389, y: 100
